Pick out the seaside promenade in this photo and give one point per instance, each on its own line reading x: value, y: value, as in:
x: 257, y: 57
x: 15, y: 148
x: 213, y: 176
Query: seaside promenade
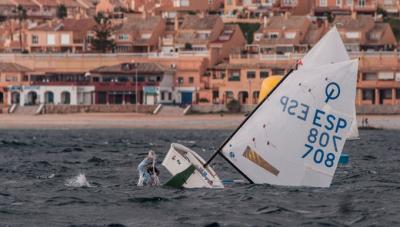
x: 132, y: 120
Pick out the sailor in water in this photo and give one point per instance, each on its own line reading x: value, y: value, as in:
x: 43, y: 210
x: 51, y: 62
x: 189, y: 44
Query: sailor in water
x: 148, y: 172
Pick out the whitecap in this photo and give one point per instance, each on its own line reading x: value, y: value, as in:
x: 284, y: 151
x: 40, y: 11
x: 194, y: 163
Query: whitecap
x: 78, y: 181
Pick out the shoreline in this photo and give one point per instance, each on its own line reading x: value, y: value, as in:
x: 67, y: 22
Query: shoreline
x: 146, y: 121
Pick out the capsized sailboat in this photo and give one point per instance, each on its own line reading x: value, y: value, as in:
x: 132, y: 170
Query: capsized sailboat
x: 295, y: 136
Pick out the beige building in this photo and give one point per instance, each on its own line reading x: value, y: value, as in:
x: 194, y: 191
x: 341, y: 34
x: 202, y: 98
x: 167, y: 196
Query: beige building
x: 362, y: 32
x: 345, y: 6
x: 69, y: 35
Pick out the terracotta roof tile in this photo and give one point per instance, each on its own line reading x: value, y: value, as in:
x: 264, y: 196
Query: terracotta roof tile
x: 280, y: 22
x: 196, y: 23
x: 138, y: 23
x: 26, y: 3
x: 13, y: 67
x: 362, y: 22
x: 143, y: 67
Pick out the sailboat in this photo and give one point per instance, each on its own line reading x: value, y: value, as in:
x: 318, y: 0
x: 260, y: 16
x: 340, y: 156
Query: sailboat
x: 295, y: 136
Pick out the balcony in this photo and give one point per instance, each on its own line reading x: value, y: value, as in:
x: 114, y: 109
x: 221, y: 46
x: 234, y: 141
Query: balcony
x: 202, y: 53
x: 118, y: 86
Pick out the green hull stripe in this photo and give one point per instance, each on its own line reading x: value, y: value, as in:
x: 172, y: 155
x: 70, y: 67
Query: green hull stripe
x: 179, y: 179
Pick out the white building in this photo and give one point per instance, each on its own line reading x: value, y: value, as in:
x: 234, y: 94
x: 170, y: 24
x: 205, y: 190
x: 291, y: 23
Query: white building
x: 67, y: 95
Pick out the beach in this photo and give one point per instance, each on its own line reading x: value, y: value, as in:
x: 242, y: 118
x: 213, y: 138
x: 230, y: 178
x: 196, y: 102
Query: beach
x: 139, y: 121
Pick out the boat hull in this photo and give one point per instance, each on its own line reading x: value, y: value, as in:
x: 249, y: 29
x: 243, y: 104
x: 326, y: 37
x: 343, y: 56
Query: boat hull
x: 181, y: 159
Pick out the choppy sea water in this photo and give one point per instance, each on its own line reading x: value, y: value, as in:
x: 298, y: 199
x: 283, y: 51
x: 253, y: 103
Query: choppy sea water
x: 88, y: 178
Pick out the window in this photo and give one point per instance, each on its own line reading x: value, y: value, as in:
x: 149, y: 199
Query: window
x: 35, y: 39
x: 361, y: 3
x: 398, y: 93
x: 369, y: 76
x: 375, y: 36
x: 278, y: 71
x: 338, y: 2
x: 386, y: 93
x: 234, y: 76
x: 352, y: 35
x: 162, y: 95
x: 251, y: 74
x: 258, y: 36
x: 349, y: 2
x: 145, y: 36
x: 264, y: 74
x: 180, y: 80
x: 323, y: 3
x: 64, y: 39
x: 51, y: 39
x: 273, y: 35
x: 386, y: 76
x: 229, y: 2
x: 222, y: 75
x: 123, y: 37
x: 290, y: 35
x: 169, y: 95
x: 368, y: 94
x: 191, y: 80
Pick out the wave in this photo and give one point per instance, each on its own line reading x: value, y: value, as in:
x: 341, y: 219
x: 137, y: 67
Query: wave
x: 78, y: 181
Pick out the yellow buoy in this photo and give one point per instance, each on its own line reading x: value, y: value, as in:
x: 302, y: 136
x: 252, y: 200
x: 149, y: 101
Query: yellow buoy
x: 268, y: 85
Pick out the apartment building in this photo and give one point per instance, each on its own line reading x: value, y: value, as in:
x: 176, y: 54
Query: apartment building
x: 139, y: 34
x: 287, y: 34
x: 379, y: 79
x: 69, y: 35
x: 363, y: 33
x: 335, y: 7
x: 46, y: 9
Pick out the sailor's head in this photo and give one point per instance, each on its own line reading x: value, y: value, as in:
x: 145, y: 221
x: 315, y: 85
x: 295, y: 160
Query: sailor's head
x: 151, y: 154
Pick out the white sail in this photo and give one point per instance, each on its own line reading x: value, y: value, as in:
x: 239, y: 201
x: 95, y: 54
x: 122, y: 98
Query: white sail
x: 330, y: 49
x: 296, y: 136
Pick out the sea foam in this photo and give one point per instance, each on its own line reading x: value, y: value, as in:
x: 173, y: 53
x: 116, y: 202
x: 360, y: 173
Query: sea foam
x: 78, y: 181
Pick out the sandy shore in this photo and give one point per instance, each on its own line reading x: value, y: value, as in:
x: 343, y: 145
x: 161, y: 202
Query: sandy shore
x: 132, y: 120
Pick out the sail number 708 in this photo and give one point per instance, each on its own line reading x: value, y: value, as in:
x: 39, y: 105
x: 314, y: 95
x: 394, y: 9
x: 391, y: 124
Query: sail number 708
x: 323, y: 139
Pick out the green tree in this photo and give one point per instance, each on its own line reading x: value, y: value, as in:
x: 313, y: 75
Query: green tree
x: 21, y: 16
x: 62, y: 11
x: 103, y: 31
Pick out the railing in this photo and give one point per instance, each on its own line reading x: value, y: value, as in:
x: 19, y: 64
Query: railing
x: 106, y: 55
x: 295, y: 56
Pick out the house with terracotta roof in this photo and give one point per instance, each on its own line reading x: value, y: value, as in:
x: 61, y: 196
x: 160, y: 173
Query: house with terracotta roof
x: 390, y: 6
x: 139, y: 33
x: 362, y: 32
x: 69, y: 35
x: 8, y: 7
x: 170, y: 9
x: 12, y: 77
x: 207, y: 36
x: 113, y: 8
x: 340, y: 7
x: 287, y: 34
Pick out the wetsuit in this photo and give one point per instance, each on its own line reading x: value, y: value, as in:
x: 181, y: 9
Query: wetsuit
x: 144, y: 176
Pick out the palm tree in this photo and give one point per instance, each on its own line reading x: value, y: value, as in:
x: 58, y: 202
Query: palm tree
x: 21, y: 16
